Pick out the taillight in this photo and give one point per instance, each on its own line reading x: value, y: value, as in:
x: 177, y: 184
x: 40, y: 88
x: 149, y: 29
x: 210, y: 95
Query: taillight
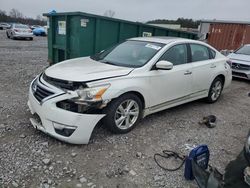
x: 229, y: 62
x: 30, y: 30
x: 16, y: 30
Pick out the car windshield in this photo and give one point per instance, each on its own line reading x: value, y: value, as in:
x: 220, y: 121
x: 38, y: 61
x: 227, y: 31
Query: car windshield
x: 21, y: 26
x: 129, y: 54
x: 243, y: 50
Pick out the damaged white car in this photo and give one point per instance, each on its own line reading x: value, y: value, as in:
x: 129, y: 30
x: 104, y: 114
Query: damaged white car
x: 123, y: 84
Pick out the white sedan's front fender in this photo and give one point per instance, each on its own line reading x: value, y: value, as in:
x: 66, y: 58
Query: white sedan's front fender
x: 123, y: 85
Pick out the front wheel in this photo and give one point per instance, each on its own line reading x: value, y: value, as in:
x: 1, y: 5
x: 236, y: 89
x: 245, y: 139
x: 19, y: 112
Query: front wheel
x: 215, y: 90
x: 123, y: 113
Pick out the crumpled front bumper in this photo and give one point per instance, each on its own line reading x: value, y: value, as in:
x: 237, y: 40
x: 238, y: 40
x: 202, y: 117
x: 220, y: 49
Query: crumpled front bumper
x: 51, y: 116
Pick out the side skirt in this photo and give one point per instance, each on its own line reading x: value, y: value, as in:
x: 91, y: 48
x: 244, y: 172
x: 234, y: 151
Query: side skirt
x: 175, y: 102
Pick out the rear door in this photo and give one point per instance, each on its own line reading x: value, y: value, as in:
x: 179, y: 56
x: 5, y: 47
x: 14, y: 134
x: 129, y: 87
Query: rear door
x: 203, y: 66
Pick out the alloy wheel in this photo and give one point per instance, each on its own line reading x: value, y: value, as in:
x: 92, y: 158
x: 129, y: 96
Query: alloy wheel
x: 216, y: 90
x: 126, y: 114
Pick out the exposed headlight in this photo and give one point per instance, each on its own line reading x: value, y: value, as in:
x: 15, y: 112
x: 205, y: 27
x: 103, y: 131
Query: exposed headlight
x: 91, y: 94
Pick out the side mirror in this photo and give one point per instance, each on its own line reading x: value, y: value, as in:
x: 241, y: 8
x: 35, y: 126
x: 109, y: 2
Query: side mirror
x: 164, y: 65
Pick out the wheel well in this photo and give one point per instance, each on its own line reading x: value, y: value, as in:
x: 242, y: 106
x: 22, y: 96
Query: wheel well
x: 138, y: 95
x: 222, y: 77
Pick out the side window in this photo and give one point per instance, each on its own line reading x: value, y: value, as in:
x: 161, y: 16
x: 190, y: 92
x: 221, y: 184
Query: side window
x: 213, y: 53
x: 176, y: 54
x: 199, y: 52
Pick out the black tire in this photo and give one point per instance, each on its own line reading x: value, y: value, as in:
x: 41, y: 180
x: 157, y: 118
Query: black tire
x: 12, y: 37
x: 111, y: 113
x: 212, y: 97
x: 7, y: 35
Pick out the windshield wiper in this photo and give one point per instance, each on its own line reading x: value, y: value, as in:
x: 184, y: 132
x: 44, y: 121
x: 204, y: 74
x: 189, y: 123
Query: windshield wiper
x: 116, y: 64
x: 108, y: 62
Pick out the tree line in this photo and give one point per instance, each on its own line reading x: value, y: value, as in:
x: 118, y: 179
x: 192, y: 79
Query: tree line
x: 15, y: 16
x: 186, y: 23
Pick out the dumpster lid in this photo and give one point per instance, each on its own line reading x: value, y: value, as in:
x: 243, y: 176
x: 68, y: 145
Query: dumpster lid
x: 108, y: 18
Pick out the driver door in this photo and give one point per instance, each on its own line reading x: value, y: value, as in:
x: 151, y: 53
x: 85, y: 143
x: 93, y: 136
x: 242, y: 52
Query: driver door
x: 171, y: 86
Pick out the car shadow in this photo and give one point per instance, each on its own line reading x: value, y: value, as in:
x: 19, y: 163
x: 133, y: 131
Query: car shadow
x: 241, y: 80
x: 22, y: 39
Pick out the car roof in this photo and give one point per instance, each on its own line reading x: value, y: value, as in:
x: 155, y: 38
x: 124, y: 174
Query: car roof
x: 161, y: 39
x: 17, y: 24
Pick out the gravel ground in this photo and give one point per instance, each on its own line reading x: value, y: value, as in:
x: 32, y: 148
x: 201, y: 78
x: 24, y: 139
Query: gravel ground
x: 29, y: 158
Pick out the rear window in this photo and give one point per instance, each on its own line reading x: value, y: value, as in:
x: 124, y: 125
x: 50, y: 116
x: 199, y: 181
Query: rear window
x: 21, y: 26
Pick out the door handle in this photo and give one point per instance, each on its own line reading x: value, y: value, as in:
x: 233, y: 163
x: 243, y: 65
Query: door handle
x: 187, y: 72
x: 212, y: 66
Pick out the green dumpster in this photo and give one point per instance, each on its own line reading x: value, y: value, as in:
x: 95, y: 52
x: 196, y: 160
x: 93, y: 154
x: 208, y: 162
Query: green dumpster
x: 78, y: 34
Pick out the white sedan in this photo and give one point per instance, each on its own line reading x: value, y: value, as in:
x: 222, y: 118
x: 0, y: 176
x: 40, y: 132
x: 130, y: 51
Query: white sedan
x: 19, y: 31
x: 123, y: 84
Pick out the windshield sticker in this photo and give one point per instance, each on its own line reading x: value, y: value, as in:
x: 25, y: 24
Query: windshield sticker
x: 153, y: 46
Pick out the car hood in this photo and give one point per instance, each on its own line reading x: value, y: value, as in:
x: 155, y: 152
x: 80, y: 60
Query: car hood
x: 85, y: 69
x: 241, y: 58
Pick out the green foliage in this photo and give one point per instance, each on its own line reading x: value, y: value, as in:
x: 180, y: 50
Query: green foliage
x: 186, y: 23
x: 17, y: 17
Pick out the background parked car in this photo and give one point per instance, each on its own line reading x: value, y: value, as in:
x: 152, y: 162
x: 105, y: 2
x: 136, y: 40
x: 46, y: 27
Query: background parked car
x: 46, y: 29
x: 19, y: 31
x: 34, y: 27
x: 241, y: 62
x: 40, y: 31
x: 4, y: 26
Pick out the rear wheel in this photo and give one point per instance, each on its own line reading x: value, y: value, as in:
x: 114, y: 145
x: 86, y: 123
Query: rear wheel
x: 7, y: 35
x: 123, y: 113
x: 215, y: 90
x: 12, y: 37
